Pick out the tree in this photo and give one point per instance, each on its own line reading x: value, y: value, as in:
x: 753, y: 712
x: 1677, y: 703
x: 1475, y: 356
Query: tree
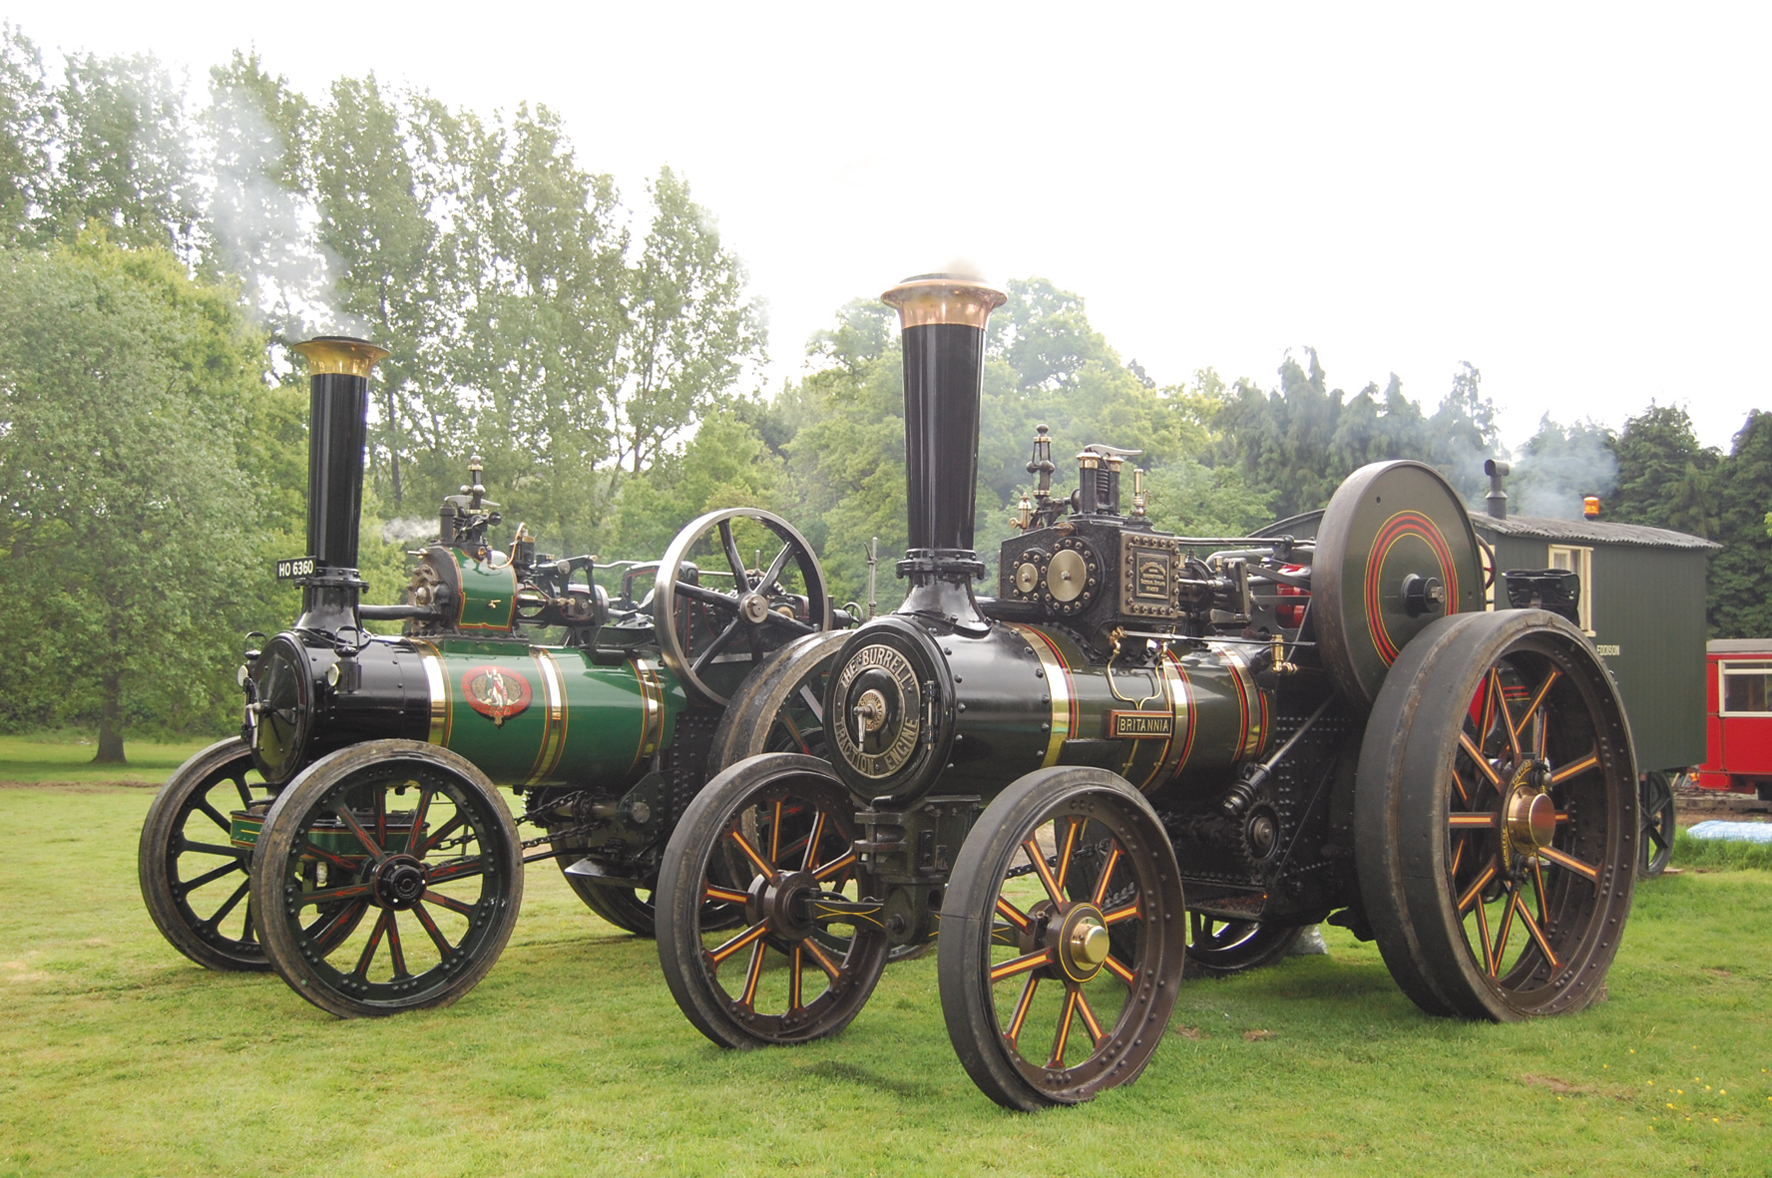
x: 25, y: 118
x: 126, y: 515
x: 1664, y: 474
x: 1561, y: 465
x: 1740, y: 606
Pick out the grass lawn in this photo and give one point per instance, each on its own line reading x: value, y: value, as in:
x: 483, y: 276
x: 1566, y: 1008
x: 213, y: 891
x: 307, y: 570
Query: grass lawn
x: 123, y: 1058
x: 55, y: 757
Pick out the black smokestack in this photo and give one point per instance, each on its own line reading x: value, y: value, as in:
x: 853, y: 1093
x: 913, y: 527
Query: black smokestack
x: 338, y: 406
x: 944, y: 318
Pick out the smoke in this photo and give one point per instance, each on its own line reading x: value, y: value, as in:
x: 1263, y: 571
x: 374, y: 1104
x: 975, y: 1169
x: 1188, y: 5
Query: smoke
x: 264, y: 229
x: 1560, y: 465
x: 404, y: 531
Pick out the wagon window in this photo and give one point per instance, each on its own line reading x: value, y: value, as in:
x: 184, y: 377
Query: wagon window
x: 1579, y: 561
x: 1746, y: 689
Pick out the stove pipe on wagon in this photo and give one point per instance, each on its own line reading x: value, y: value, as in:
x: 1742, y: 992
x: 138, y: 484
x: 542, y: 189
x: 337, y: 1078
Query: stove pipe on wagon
x: 943, y: 317
x: 338, y: 411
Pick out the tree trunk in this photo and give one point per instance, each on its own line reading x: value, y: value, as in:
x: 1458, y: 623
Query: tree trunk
x: 110, y: 722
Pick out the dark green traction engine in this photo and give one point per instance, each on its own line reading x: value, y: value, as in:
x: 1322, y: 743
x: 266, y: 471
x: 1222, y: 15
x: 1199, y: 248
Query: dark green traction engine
x: 354, y: 837
x: 1151, y: 756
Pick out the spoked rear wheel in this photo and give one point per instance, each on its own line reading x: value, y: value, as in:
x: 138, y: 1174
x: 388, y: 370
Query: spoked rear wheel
x: 1659, y: 823
x: 1219, y: 948
x: 773, y: 837
x: 412, y: 844
x: 1496, y: 818
x: 1053, y: 992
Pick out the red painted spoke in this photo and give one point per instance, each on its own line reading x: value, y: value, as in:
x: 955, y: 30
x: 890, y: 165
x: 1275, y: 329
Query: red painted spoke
x: 1019, y: 965
x: 1470, y: 821
x: 834, y: 866
x: 336, y: 920
x: 419, y: 814
x: 1013, y: 1034
x: 1482, y: 762
x: 399, y: 955
x: 350, y: 820
x: 794, y: 731
x: 1576, y: 769
x: 309, y: 849
x: 1507, y: 928
x: 1539, y: 938
x: 1062, y: 1037
x: 1012, y: 913
x: 795, y: 966
x: 813, y: 839
x: 449, y: 902
x: 333, y: 895
x: 755, y: 932
x: 724, y: 895
x: 1099, y: 897
x: 1476, y: 889
x: 375, y: 936
x: 436, y: 934
x: 751, y: 853
x: 1096, y: 1034
x: 831, y: 969
x: 381, y: 818
x: 1562, y: 859
x: 1065, y: 848
x: 775, y: 832
x: 1045, y: 872
x: 1131, y: 911
x: 461, y: 869
x: 1113, y: 966
x: 427, y: 842
x: 753, y: 974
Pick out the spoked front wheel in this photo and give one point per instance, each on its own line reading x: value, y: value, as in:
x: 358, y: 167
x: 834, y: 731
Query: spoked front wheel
x: 1219, y: 948
x: 1659, y: 823
x: 771, y: 837
x: 1061, y: 939
x: 411, y: 845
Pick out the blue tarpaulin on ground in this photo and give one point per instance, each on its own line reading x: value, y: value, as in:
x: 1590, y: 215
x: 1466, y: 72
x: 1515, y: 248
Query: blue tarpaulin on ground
x: 1741, y: 832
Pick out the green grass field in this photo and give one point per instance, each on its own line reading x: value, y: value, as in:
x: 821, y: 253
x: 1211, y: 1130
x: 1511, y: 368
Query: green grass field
x: 123, y: 1058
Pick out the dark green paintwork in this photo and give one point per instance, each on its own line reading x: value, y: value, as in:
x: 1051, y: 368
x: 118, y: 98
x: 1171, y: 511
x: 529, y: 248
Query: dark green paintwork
x: 488, y: 593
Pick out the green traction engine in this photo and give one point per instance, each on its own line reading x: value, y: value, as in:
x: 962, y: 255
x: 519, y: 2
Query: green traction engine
x: 354, y: 838
x: 1150, y: 756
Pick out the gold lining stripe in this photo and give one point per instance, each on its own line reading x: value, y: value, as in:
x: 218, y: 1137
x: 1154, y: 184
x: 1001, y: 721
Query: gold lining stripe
x: 438, y: 685
x: 553, y: 730
x: 645, y: 713
x: 1058, y: 677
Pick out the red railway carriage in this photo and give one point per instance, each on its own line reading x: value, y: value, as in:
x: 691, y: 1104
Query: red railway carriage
x: 1738, y: 717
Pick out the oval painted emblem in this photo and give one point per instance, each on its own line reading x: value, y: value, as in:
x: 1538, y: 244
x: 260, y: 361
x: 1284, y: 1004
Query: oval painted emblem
x: 496, y: 691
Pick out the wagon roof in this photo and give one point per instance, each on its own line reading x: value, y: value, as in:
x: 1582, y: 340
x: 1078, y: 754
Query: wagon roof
x: 1739, y: 646
x: 1591, y: 532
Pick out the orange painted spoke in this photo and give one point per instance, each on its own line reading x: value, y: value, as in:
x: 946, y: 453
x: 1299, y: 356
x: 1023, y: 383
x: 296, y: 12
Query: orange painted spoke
x: 755, y: 932
x: 1539, y: 938
x: 399, y: 955
x: 1476, y: 889
x: 1065, y: 849
x: 1571, y: 862
x: 375, y: 936
x: 1483, y: 936
x: 1107, y: 874
x: 1131, y: 911
x: 810, y: 858
x: 794, y: 731
x: 1016, y: 965
x: 1507, y: 928
x: 1113, y: 966
x: 1468, y: 821
x: 751, y: 853
x: 724, y: 895
x: 1043, y: 871
x: 798, y: 964
x: 1507, y: 719
x: 449, y: 902
x: 1575, y: 770
x: 1096, y: 1034
x: 356, y: 828
x: 775, y: 832
x: 1483, y: 765
x: 1538, y: 885
x: 1012, y: 913
x: 1062, y: 1038
x: 830, y: 967
x: 1457, y: 858
x: 436, y: 934
x: 1021, y: 1008
x: 752, y: 976
x: 329, y: 895
x: 1538, y: 699
x: 1488, y: 713
x: 1464, y: 795
x: 834, y: 866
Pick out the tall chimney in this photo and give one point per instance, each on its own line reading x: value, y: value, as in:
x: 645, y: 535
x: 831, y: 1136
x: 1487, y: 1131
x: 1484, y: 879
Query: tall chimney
x: 338, y: 407
x: 1497, y: 501
x: 944, y: 318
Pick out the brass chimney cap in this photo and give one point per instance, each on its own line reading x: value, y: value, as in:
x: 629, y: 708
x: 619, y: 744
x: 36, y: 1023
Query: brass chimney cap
x: 926, y: 299
x: 329, y: 355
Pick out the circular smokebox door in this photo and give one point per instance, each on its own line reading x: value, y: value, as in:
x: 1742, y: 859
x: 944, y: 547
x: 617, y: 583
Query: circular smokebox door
x: 1395, y: 552
x: 888, y: 711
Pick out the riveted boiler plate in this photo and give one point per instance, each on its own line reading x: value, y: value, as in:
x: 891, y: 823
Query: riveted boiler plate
x: 1066, y: 575
x: 1395, y: 552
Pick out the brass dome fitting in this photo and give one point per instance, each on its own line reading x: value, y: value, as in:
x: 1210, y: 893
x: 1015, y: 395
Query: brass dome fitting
x: 944, y: 298
x: 329, y: 355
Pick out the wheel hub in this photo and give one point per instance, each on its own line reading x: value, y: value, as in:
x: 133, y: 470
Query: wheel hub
x: 755, y: 608
x: 1529, y: 816
x: 1079, y: 939
x: 783, y: 905
x: 399, y: 882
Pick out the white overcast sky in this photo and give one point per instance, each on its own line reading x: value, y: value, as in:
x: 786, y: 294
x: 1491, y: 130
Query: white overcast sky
x: 1574, y: 199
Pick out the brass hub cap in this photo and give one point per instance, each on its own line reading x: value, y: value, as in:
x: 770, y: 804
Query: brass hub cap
x: 1080, y: 938
x: 1529, y: 817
